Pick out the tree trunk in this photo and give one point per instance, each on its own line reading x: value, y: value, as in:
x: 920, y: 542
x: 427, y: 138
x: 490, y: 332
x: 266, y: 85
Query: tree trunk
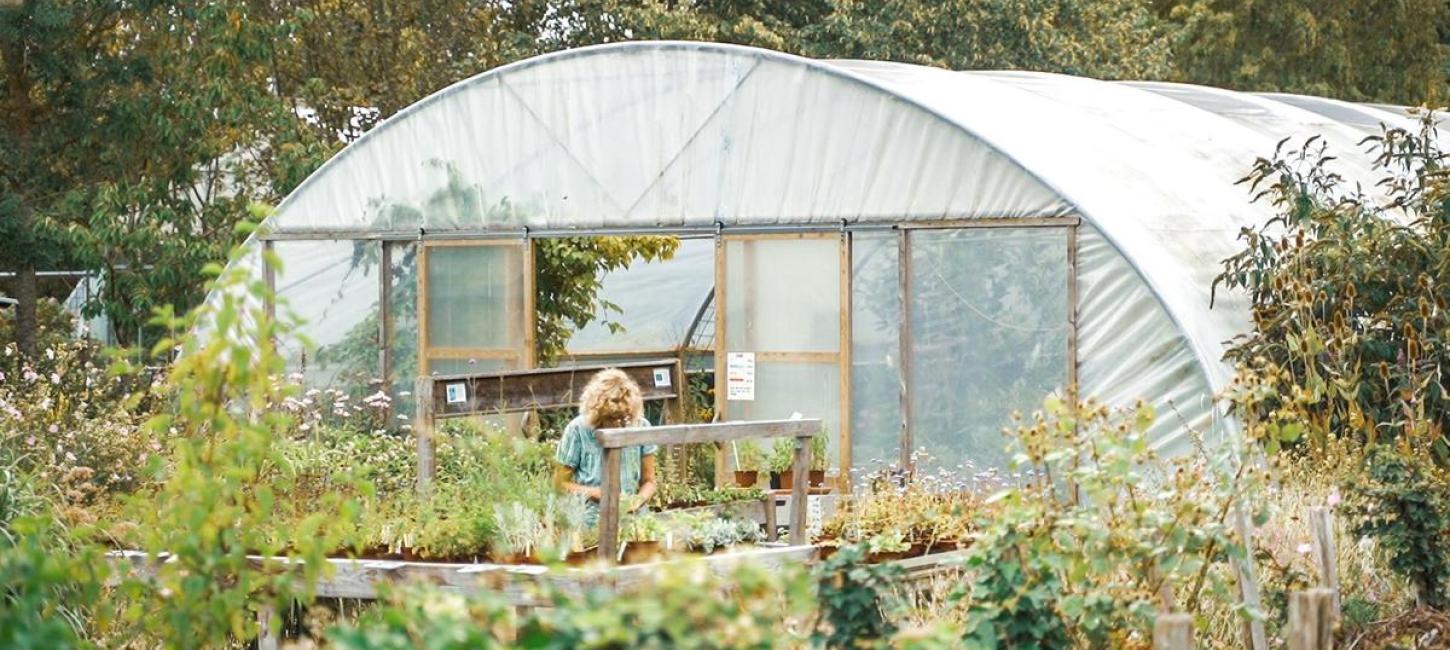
x: 26, y: 321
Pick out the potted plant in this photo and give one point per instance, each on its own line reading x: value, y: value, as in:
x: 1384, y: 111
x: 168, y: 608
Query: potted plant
x: 819, y: 459
x: 518, y: 533
x: 641, y: 533
x: 749, y: 458
x: 717, y: 534
x: 781, y: 462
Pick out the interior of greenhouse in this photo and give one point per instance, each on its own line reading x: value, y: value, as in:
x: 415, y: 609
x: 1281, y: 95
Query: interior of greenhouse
x: 911, y: 255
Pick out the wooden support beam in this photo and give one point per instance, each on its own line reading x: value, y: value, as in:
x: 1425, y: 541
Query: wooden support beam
x: 845, y: 370
x: 385, y: 325
x: 721, y: 466
x: 685, y: 434
x: 801, y: 468
x: 903, y: 266
x: 423, y: 433
x: 609, y: 506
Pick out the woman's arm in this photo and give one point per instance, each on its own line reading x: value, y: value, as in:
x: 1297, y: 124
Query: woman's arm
x: 646, y: 482
x: 564, y: 480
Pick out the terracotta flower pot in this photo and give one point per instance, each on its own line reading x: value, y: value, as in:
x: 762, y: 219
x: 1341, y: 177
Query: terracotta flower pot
x: 817, y: 478
x: 746, y: 479
x: 581, y: 558
x: 787, y: 479
x: 641, y: 552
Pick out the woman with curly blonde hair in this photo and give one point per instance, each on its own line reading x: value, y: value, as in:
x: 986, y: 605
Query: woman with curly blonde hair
x: 611, y: 400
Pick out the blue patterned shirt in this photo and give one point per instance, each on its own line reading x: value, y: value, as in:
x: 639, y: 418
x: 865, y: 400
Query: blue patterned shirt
x: 580, y: 451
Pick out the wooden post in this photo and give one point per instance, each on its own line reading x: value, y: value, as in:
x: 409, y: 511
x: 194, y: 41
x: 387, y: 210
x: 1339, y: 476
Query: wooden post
x: 1321, y: 527
x: 720, y: 355
x: 609, y: 506
x: 903, y: 279
x: 845, y: 370
x: 801, y: 468
x: 423, y: 432
x: 385, y: 327
x: 1311, y: 624
x: 1255, y: 638
x: 1173, y: 632
x: 268, y: 632
x: 771, y: 534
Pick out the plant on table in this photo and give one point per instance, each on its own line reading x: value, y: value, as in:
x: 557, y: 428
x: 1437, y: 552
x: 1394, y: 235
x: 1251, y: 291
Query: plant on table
x: 711, y: 533
x: 781, y: 459
x: 749, y: 457
x: 820, y: 454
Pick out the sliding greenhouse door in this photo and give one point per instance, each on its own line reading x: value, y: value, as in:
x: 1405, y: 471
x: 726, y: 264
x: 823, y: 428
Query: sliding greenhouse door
x: 779, y: 334
x: 474, y: 299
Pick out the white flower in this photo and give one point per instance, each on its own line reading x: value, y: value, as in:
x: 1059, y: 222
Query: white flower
x: 55, y: 378
x: 53, y: 429
x: 70, y: 457
x: 50, y: 354
x: 1334, y: 497
x: 1304, y: 548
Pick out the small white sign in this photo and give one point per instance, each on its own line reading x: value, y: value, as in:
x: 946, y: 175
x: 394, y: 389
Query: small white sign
x: 662, y: 377
x: 740, y: 376
x: 457, y: 393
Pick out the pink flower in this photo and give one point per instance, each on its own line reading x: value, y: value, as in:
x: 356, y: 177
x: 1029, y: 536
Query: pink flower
x: 1304, y: 548
x: 1334, y: 497
x: 53, y: 429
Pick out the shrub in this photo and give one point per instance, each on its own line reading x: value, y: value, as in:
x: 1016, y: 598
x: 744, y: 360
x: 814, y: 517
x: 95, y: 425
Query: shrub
x: 852, y: 595
x: 1404, y: 505
x: 1087, y: 551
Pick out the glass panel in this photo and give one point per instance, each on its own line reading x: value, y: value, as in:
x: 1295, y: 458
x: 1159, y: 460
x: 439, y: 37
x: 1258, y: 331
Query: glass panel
x: 785, y: 388
x: 475, y: 296
x: 875, y: 351
x: 783, y: 295
x: 989, y: 337
x: 330, y: 289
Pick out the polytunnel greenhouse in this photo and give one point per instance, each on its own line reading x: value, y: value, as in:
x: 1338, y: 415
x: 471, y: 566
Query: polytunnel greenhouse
x: 910, y: 254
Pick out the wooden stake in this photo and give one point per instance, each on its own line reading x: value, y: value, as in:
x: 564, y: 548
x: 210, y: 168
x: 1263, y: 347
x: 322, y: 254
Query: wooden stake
x: 1326, y: 555
x: 423, y: 432
x: 1255, y: 638
x: 1311, y: 625
x: 1173, y: 632
x: 844, y: 346
x: 268, y: 633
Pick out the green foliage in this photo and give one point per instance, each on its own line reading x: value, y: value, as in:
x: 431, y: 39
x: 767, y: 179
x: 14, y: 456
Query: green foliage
x: 216, y: 501
x: 853, y: 600
x: 570, y: 272
x: 749, y: 457
x: 687, y: 608
x: 1403, y: 503
x: 782, y: 455
x: 1089, y: 565
x: 709, y: 532
x: 1349, y: 302
x: 1389, y: 52
x: 418, y: 617
x: 48, y: 588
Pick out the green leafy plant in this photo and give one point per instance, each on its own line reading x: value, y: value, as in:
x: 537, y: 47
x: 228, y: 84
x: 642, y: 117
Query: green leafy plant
x: 641, y: 527
x: 1061, y: 562
x: 782, y: 455
x: 1403, y: 502
x: 711, y: 533
x: 855, y: 606
x: 749, y: 456
x: 820, y: 454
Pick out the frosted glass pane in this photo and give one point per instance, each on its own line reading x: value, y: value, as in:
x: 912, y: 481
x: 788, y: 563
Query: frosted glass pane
x: 329, y: 289
x: 781, y: 389
x: 475, y: 296
x: 875, y: 351
x: 783, y: 295
x: 989, y: 337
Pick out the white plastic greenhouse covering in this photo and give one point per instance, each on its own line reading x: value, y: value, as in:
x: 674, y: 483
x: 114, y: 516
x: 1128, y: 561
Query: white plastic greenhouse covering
x: 665, y: 135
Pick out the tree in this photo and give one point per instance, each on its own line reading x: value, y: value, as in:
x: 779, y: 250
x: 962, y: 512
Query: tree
x: 1378, y: 50
x: 140, y: 131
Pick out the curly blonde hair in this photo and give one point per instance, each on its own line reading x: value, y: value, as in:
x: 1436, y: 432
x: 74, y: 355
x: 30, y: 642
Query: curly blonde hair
x: 611, y: 399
